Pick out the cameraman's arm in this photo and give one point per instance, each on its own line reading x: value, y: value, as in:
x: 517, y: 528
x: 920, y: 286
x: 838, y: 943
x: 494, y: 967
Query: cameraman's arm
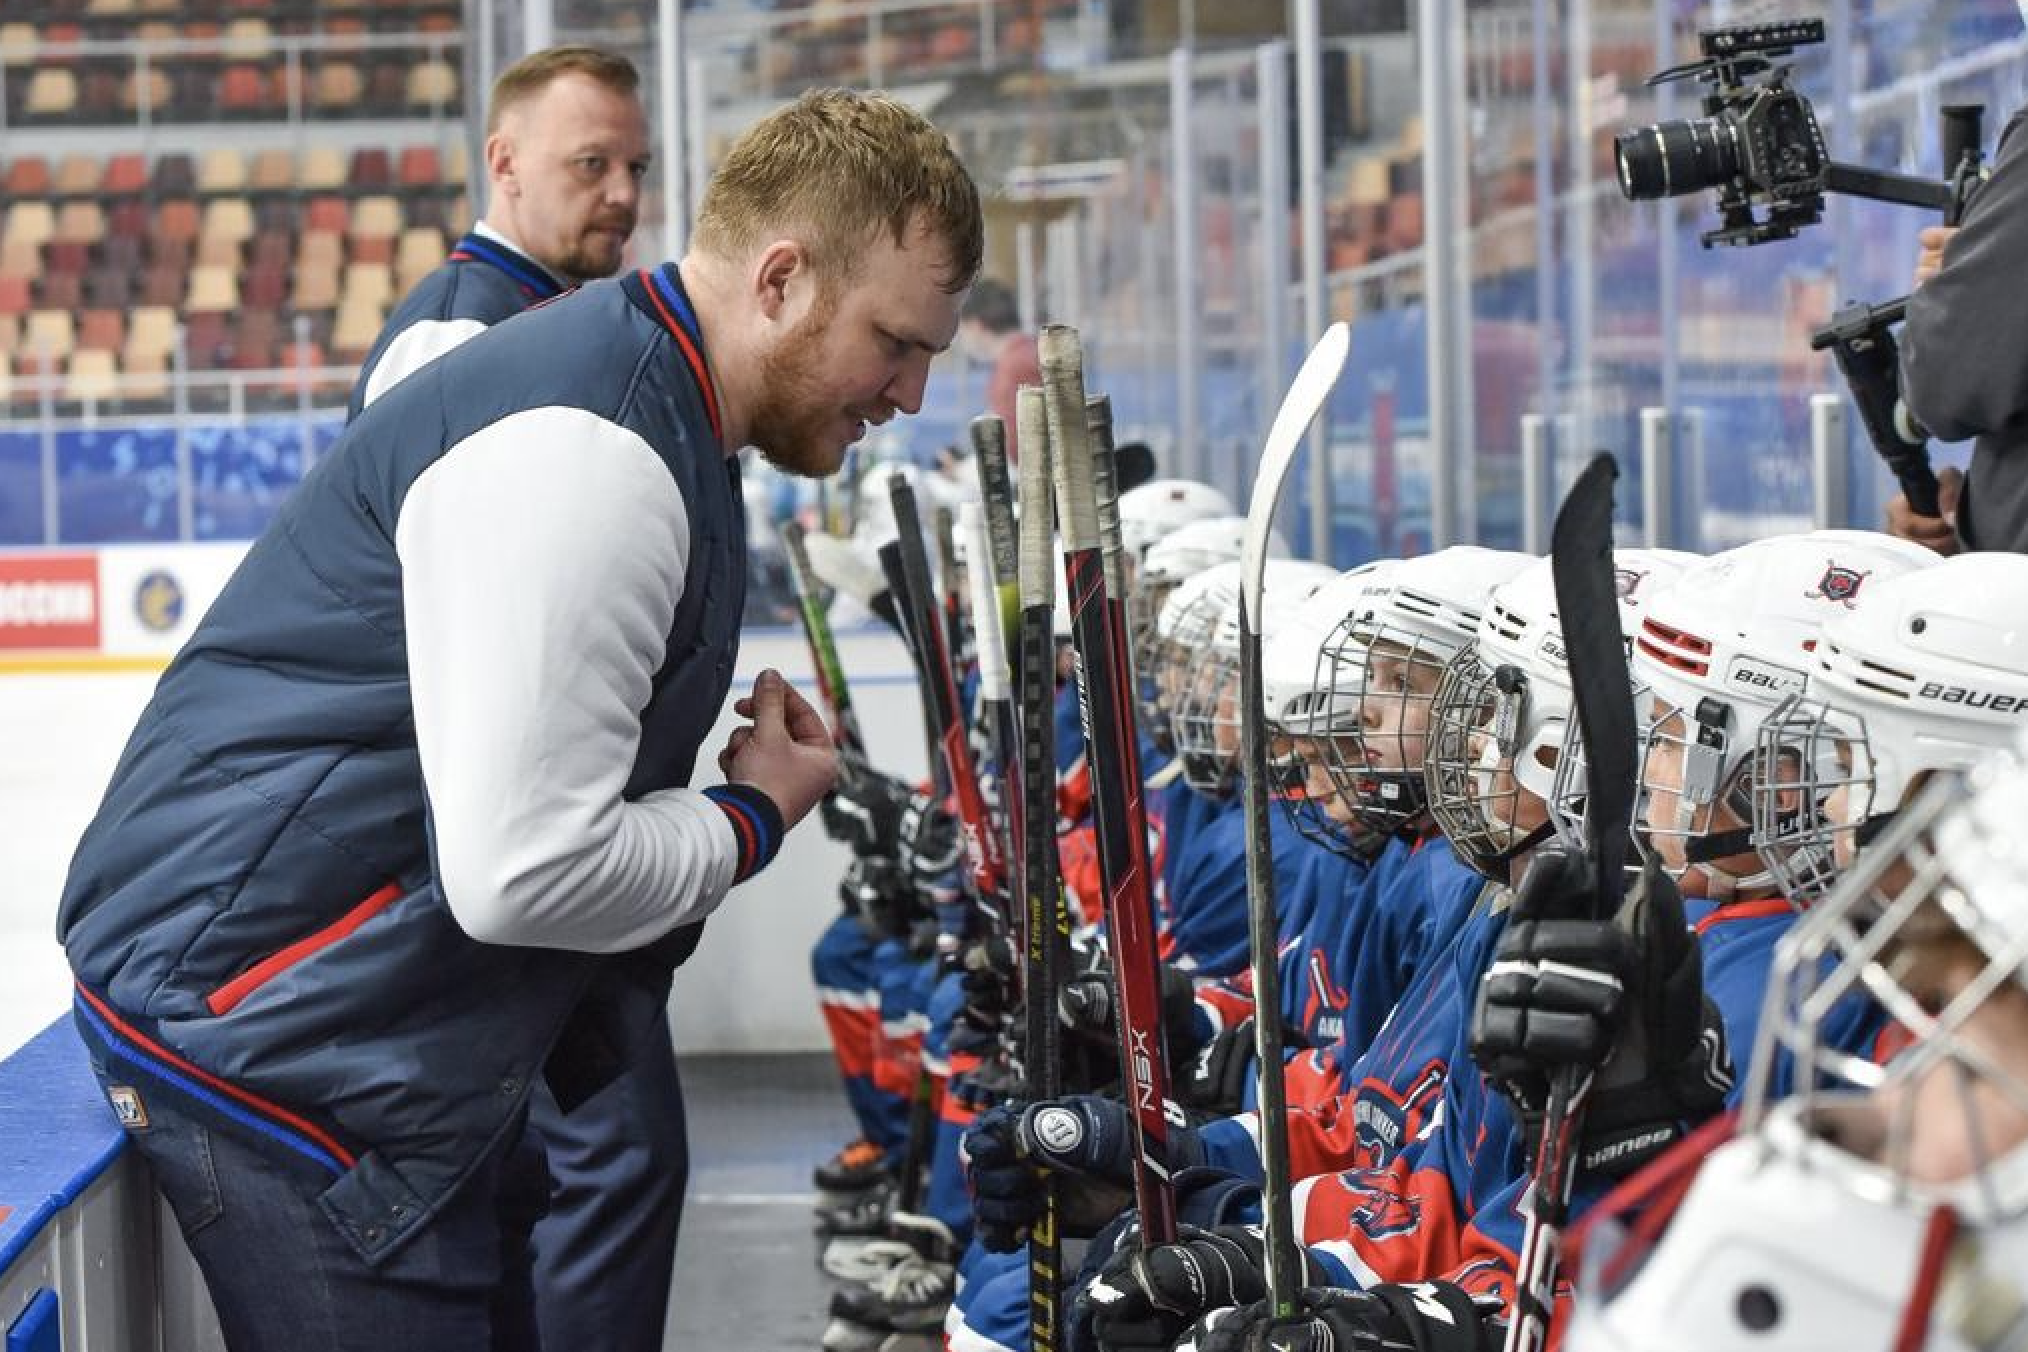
x: 1964, y: 350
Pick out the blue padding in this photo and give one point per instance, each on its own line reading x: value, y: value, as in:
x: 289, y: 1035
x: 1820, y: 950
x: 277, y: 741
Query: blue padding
x: 38, y: 1329
x: 57, y: 1134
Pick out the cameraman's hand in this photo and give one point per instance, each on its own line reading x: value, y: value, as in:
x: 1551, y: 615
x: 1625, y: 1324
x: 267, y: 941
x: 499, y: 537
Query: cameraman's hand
x: 785, y: 752
x: 1936, y: 532
x: 1931, y: 240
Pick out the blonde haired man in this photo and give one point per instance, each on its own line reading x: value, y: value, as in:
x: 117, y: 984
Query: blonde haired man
x: 421, y: 781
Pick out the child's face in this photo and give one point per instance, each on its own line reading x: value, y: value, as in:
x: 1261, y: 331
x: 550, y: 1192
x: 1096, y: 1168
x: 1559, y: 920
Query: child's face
x: 1394, y: 709
x: 1662, y: 771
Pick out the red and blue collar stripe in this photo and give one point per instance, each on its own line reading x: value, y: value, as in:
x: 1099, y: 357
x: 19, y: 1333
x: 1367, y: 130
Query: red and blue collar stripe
x: 525, y: 272
x: 670, y: 304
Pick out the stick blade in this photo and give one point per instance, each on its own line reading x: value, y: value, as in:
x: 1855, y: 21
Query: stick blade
x: 1581, y: 566
x: 1313, y: 384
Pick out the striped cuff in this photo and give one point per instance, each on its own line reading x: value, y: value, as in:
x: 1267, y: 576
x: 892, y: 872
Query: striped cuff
x: 756, y: 825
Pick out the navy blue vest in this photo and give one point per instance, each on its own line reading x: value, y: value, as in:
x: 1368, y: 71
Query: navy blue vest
x: 482, y: 279
x: 253, y: 915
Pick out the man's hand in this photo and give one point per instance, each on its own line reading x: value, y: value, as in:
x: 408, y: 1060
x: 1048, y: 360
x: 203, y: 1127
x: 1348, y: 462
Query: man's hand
x: 786, y: 752
x: 1931, y: 241
x: 1937, y: 532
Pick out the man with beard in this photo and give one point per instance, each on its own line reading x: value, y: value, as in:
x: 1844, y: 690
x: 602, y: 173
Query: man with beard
x: 420, y: 782
x: 566, y: 149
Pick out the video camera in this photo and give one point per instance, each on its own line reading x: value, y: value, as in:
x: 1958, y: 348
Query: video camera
x: 1759, y: 145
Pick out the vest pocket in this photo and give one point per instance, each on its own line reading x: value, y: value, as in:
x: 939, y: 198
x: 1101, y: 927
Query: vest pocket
x: 229, y: 996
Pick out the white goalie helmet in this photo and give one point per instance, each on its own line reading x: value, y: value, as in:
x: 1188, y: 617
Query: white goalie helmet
x: 1929, y: 675
x: 1873, y: 1197
x: 1206, y: 718
x: 1718, y: 650
x: 1501, y: 726
x: 1155, y: 509
x: 1386, y: 657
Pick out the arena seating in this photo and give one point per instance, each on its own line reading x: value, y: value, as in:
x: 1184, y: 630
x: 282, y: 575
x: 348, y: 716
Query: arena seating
x: 100, y: 258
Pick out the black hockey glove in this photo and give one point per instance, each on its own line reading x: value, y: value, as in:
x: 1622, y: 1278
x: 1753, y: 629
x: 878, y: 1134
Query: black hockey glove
x: 988, y: 982
x: 879, y: 893
x: 1423, y: 1317
x: 1215, y: 1083
x: 1086, y: 1004
x: 1144, y: 1298
x: 930, y: 850
x: 863, y: 812
x: 1623, y: 998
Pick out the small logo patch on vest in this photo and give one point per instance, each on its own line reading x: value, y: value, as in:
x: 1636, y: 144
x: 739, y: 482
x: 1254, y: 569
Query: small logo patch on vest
x: 127, y: 1106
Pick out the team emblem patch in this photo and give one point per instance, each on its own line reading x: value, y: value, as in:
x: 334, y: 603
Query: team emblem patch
x: 1626, y: 581
x: 1838, y: 584
x: 1058, y: 1129
x: 127, y: 1106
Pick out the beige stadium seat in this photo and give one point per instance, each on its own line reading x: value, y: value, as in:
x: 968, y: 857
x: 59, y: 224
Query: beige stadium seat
x: 34, y: 222
x: 79, y: 175
x: 93, y: 375
x: 367, y: 284
x: 223, y: 170
x: 213, y: 287
x: 50, y: 332
x: 52, y: 92
x: 217, y: 251
x: 320, y: 248
x: 18, y: 44
x: 433, y: 84
x: 322, y: 168
x: 339, y: 85
x: 355, y: 328
x: 248, y: 39
x: 84, y: 222
x: 21, y: 258
x: 273, y: 170
x: 316, y: 287
x: 147, y: 374
x: 375, y: 218
x: 228, y: 218
x: 151, y: 330
x: 421, y: 250
x: 110, y: 7
x: 151, y: 93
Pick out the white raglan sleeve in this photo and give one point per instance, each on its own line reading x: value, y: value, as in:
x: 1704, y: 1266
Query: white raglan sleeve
x: 414, y: 348
x: 542, y: 561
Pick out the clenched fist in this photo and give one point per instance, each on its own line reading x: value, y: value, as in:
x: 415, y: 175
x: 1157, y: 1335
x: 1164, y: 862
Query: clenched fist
x: 786, y: 751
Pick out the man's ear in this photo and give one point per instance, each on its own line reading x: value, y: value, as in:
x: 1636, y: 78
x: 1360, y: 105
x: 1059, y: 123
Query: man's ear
x: 776, y: 270
x: 500, y: 168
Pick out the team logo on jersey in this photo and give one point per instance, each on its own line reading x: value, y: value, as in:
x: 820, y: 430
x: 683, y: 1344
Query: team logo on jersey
x: 1626, y: 581
x: 1838, y: 584
x: 1383, y: 1122
x: 1380, y: 1212
x: 1058, y: 1129
x: 1324, y: 998
x: 127, y: 1106
x: 158, y: 602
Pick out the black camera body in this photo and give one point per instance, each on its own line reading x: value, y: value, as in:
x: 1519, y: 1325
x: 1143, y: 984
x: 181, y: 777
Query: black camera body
x: 1758, y: 143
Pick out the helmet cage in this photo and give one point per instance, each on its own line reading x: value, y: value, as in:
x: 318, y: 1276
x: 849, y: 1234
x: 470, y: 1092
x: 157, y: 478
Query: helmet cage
x: 1809, y: 750
x: 1477, y: 717
x: 1388, y: 674
x: 1206, y: 706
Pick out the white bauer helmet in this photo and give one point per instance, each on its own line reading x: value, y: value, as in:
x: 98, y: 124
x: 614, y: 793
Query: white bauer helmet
x: 1190, y: 613
x: 1182, y: 553
x: 1501, y: 720
x: 1297, y: 708
x: 1207, y: 716
x: 1929, y: 675
x: 1159, y: 507
x: 1719, y: 648
x: 1872, y: 1197
x: 1405, y: 624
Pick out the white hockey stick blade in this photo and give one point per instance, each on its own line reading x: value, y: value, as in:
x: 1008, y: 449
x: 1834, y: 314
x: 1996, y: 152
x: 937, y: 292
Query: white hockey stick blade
x: 1300, y: 407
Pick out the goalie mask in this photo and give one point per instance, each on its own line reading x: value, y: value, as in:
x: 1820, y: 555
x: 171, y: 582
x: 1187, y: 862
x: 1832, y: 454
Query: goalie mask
x: 1871, y: 1196
x: 1501, y: 718
x: 1929, y: 675
x: 1717, y: 651
x: 1385, y: 659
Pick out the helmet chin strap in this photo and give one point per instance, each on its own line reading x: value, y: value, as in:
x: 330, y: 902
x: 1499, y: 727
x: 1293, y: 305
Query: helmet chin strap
x: 1497, y: 865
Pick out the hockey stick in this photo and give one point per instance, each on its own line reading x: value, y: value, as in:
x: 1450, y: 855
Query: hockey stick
x: 823, y: 646
x: 996, y: 693
x: 1581, y: 565
x: 1116, y: 788
x: 957, y: 634
x: 996, y: 490
x: 1300, y: 407
x: 1047, y: 930
x: 985, y: 869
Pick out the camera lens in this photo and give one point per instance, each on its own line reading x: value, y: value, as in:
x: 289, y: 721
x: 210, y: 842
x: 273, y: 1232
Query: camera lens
x: 1673, y: 158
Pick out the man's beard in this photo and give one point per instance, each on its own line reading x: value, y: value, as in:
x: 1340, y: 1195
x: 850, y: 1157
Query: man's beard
x: 586, y: 261
x: 794, y: 430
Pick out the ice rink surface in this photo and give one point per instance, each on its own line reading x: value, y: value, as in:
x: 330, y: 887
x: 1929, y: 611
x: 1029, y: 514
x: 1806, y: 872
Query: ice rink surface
x: 60, y: 735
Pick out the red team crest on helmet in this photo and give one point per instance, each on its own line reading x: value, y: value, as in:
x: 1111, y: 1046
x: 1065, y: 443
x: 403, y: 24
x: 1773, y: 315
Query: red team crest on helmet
x: 1838, y: 584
